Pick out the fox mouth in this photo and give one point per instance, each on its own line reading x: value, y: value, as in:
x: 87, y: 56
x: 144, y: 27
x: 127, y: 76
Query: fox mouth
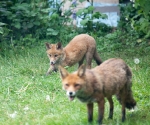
x: 52, y: 64
x: 71, y: 98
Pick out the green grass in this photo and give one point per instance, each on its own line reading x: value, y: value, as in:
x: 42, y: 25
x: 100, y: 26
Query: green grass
x: 24, y: 87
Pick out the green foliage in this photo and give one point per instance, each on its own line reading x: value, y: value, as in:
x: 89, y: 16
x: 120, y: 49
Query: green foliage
x: 28, y: 22
x: 133, y: 28
x: 141, y: 21
x: 136, y: 15
x: 23, y: 17
x: 88, y: 16
x: 1, y: 28
x: 58, y: 26
x: 4, y: 31
x: 120, y: 40
x: 39, y: 18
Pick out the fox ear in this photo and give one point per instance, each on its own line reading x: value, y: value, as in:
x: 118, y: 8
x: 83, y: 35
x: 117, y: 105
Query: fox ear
x: 59, y: 45
x: 48, y: 46
x: 63, y: 72
x: 81, y: 70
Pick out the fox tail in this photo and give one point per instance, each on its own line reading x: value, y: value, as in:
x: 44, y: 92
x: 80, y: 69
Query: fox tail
x: 97, y: 58
x: 130, y: 102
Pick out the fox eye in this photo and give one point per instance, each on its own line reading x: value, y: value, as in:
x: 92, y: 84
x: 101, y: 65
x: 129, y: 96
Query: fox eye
x: 76, y: 85
x: 50, y: 55
x: 67, y: 85
x: 56, y: 55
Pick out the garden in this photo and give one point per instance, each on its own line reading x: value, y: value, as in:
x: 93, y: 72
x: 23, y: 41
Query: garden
x: 29, y: 97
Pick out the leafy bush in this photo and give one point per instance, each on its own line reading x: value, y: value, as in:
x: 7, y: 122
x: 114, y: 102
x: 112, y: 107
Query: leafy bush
x: 58, y: 26
x: 90, y: 20
x: 33, y: 18
x: 27, y: 22
x: 24, y: 18
x: 136, y: 15
x: 4, y: 31
x: 141, y: 21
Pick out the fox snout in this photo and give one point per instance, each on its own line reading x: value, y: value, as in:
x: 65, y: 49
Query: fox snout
x: 71, y: 95
x: 52, y: 62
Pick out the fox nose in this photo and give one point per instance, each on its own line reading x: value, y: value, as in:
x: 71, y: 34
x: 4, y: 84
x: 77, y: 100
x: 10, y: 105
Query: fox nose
x: 70, y: 93
x: 52, y: 63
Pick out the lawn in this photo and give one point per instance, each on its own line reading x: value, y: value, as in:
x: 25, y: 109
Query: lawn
x: 29, y: 97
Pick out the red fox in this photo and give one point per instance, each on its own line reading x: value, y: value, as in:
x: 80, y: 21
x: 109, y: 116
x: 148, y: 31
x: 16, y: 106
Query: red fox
x: 112, y: 77
x: 80, y: 47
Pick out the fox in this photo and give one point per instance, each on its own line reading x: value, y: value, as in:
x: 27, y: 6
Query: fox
x: 112, y: 77
x: 79, y: 48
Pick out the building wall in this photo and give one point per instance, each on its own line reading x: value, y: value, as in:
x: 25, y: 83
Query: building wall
x: 107, y: 1
x: 108, y: 7
x: 81, y: 5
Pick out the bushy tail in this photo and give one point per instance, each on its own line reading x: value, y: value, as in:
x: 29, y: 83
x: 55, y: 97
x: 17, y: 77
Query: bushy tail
x: 97, y: 58
x: 130, y: 103
x: 129, y: 100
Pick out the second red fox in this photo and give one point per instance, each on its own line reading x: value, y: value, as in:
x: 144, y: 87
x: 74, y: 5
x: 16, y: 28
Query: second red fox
x: 112, y: 77
x: 79, y: 48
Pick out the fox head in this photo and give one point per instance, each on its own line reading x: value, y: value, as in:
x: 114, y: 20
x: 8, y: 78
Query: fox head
x: 54, y: 52
x: 73, y: 83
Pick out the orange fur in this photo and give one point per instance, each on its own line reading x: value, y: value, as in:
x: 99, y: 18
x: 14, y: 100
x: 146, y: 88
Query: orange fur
x: 79, y: 48
x: 112, y: 77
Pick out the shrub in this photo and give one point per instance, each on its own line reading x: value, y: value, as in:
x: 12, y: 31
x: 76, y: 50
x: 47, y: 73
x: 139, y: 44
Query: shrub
x: 136, y: 15
x: 31, y: 19
x: 25, y: 21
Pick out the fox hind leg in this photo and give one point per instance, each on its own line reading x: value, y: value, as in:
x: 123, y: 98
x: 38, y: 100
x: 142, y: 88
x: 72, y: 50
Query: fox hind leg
x: 80, y: 62
x: 122, y: 98
x: 89, y: 57
x: 123, y: 112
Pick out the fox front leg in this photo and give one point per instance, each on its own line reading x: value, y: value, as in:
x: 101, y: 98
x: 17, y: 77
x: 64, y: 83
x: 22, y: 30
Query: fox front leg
x: 49, y: 71
x: 90, y: 112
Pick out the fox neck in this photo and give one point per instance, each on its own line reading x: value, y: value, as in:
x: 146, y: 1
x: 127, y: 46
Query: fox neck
x: 87, y: 93
x: 86, y: 97
x: 63, y: 61
x: 91, y: 88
